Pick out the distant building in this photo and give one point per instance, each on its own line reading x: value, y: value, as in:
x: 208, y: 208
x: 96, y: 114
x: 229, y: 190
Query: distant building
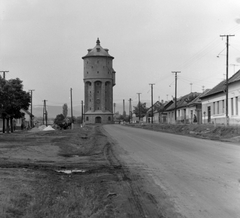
x: 99, y: 79
x: 214, y: 102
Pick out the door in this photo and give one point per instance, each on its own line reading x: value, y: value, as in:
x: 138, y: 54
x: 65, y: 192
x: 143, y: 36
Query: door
x: 98, y: 120
x: 209, y: 114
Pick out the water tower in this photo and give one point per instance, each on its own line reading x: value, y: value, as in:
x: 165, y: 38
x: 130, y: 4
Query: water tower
x: 99, y: 79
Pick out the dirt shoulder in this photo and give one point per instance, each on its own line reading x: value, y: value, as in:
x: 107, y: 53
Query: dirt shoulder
x: 205, y: 131
x: 73, y: 173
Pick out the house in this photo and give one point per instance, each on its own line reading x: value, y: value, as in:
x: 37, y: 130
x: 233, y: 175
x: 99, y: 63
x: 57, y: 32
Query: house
x: 159, y: 113
x: 214, y: 102
x: 25, y: 121
x: 188, y: 109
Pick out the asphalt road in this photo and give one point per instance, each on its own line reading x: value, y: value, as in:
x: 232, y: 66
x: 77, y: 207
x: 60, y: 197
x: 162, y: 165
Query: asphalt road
x: 202, y: 177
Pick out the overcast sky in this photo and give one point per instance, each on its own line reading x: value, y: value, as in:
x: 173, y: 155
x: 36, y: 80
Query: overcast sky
x: 42, y: 42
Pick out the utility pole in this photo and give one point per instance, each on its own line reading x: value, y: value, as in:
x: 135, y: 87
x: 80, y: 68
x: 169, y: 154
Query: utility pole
x: 176, y: 72
x: 139, y: 110
x: 191, y: 87
x: 130, y: 110
x: 71, y: 109
x: 82, y: 113
x: 31, y: 120
x: 124, y: 112
x: 45, y: 112
x: 227, y: 47
x: 152, y: 84
x: 4, y: 72
x: 114, y: 108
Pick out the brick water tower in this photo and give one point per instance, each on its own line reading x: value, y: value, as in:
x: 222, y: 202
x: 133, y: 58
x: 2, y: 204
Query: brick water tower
x: 99, y: 79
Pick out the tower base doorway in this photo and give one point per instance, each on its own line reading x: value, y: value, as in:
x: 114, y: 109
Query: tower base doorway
x: 98, y: 120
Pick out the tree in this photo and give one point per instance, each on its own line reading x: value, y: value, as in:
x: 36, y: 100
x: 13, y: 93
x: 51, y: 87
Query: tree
x: 143, y: 109
x: 59, y: 119
x: 65, y: 110
x: 13, y: 98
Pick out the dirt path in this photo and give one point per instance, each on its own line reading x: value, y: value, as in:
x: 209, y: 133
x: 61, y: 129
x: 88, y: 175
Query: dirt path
x: 69, y: 174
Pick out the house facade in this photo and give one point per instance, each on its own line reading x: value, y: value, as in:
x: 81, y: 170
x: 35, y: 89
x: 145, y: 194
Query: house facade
x: 188, y: 109
x: 214, y: 102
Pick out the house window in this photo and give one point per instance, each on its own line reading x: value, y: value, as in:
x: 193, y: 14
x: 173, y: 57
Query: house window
x: 86, y: 118
x: 223, y: 106
x: 98, y: 72
x: 217, y: 107
x: 109, y: 118
x: 232, y: 109
x: 236, y: 106
x: 214, y: 107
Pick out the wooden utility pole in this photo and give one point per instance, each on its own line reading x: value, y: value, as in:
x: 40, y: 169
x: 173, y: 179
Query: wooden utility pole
x: 130, y: 110
x: 151, y: 84
x: 139, y: 110
x: 31, y: 117
x: 82, y: 112
x: 227, y: 49
x: 176, y: 72
x: 45, y: 112
x: 71, y: 109
x: 4, y: 73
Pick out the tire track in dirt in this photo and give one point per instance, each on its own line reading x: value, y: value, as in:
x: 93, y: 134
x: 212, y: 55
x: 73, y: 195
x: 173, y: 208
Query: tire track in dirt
x: 144, y: 203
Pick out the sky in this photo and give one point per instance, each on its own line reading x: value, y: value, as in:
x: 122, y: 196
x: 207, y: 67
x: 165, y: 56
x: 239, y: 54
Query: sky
x: 42, y: 42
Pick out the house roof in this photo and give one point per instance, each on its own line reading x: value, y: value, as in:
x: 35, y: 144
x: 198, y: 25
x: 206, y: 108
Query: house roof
x: 98, y: 51
x: 221, y: 87
x: 186, y: 100
x: 27, y: 112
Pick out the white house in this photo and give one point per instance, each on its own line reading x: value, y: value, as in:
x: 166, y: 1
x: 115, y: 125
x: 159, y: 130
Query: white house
x: 214, y: 102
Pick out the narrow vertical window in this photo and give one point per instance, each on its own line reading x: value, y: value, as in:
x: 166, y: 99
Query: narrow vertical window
x: 236, y: 106
x: 232, y: 109
x: 217, y: 107
x: 213, y: 107
x: 223, y: 106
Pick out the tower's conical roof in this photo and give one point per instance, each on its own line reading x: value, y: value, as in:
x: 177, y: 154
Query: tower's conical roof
x: 98, y: 51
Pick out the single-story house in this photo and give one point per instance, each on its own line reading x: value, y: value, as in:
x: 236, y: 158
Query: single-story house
x: 188, y: 109
x: 214, y: 102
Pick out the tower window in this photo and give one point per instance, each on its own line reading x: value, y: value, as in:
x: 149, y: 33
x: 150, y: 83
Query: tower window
x: 87, y: 72
x: 98, y: 49
x: 90, y: 108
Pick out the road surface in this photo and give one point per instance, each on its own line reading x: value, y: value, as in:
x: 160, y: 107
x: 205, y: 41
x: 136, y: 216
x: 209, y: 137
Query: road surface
x: 202, y: 177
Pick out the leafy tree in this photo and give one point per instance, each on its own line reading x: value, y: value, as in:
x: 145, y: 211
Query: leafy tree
x: 143, y: 109
x: 59, y: 119
x: 65, y: 110
x: 13, y: 98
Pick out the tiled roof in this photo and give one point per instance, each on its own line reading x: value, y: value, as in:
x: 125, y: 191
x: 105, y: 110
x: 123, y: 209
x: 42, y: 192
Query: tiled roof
x: 184, y: 101
x: 220, y: 87
x: 97, y: 51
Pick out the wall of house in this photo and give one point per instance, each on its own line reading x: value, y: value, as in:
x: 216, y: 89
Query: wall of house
x: 217, y: 106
